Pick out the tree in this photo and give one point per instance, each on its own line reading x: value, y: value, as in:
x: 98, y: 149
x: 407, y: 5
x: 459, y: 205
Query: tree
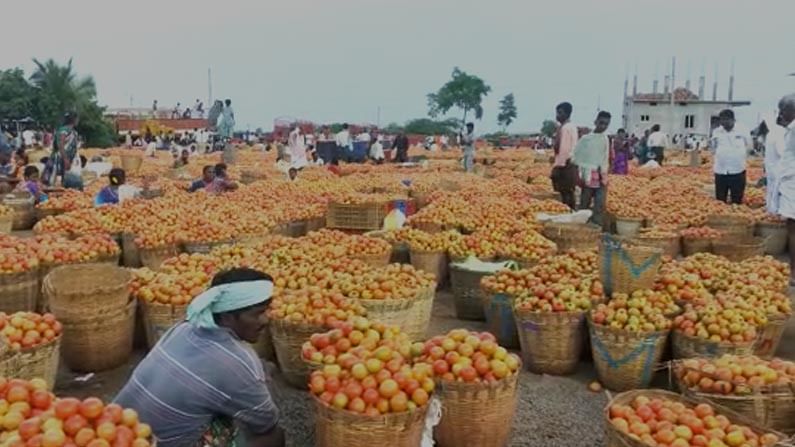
x: 548, y: 128
x: 426, y: 126
x: 393, y: 128
x: 507, y: 113
x: 58, y: 90
x: 463, y: 91
x: 17, y: 97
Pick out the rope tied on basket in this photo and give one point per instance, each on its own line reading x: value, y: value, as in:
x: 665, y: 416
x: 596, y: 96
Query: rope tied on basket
x: 611, y: 246
x: 646, y: 346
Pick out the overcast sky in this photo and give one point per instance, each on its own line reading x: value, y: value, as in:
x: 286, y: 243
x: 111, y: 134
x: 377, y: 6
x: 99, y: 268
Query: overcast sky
x: 340, y: 60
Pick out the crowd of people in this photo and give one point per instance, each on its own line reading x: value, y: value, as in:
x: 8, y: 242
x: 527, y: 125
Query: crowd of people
x: 197, y: 111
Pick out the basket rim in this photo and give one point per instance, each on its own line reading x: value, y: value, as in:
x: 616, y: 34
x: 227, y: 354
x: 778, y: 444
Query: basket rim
x: 631, y: 334
x: 784, y: 390
x: 693, y: 338
x: 401, y: 418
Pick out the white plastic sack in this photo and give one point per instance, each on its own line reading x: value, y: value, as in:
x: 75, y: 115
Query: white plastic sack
x: 580, y: 217
x: 651, y: 164
x: 476, y: 265
x: 432, y: 419
x: 394, y: 220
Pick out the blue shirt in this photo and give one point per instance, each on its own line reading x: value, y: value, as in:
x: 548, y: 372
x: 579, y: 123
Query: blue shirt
x: 197, y: 185
x: 194, y: 375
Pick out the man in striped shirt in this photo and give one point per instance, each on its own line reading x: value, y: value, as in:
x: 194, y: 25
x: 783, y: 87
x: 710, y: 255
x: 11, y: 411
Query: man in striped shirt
x: 202, y: 383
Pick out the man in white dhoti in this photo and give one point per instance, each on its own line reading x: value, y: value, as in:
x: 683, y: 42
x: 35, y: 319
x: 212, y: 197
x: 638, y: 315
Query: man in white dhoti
x: 786, y: 183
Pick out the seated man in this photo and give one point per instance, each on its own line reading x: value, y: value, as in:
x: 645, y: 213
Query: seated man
x: 202, y: 382
x: 221, y: 182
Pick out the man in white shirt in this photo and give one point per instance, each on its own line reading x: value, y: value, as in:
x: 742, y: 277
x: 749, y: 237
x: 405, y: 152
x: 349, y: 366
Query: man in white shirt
x: 27, y: 137
x: 730, y: 145
x: 657, y: 143
x: 343, y: 139
x: 786, y: 184
x: 364, y: 137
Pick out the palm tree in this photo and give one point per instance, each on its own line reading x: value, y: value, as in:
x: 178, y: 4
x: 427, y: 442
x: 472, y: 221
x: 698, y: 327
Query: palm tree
x: 60, y: 89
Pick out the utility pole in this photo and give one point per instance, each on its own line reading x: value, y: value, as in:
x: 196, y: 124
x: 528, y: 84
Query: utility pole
x: 209, y: 87
x: 378, y: 117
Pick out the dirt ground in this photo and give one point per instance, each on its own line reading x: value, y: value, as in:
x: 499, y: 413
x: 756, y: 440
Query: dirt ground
x: 552, y: 412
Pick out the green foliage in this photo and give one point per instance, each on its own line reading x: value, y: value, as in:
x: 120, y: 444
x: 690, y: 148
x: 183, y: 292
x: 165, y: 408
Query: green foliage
x: 507, y: 113
x: 335, y: 127
x: 393, y: 128
x: 16, y: 95
x: 548, y: 128
x: 463, y: 91
x: 426, y: 126
x: 53, y: 90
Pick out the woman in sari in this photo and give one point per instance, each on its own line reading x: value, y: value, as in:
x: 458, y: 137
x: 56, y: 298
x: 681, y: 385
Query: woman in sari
x: 64, y: 161
x: 620, y: 154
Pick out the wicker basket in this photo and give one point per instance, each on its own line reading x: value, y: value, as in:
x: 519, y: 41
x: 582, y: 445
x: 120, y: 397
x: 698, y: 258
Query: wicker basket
x: 42, y: 213
x: 287, y: 341
x: 467, y: 293
x: 691, y: 246
x: 31, y: 363
x: 158, y: 318
x: 131, y: 161
x: 366, y: 216
x: 296, y: 228
x: 98, y: 342
x: 264, y: 345
x: 625, y: 360
x: 628, y: 226
x: 775, y: 236
x: 315, y: 224
x: 131, y: 257
x: 625, y: 268
x: 24, y: 213
x: 500, y: 321
x: 685, y: 346
x: 616, y: 438
x: 731, y: 225
x: 7, y: 223
x: 202, y: 247
x: 769, y: 406
x: 19, y: 291
x: 739, y: 249
x: 412, y: 315
x: 153, y: 258
x: 572, y: 236
x: 476, y: 414
x: 552, y: 342
x: 434, y: 262
x: 770, y: 337
x: 379, y: 260
x: 430, y: 227
x: 336, y: 428
x: 77, y: 291
x: 421, y: 199
x: 670, y: 246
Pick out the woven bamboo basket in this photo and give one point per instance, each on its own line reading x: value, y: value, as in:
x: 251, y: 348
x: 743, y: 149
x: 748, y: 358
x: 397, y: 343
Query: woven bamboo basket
x: 377, y: 260
x: 203, y: 247
x: 86, y: 290
x: 297, y: 228
x: 544, y: 195
x: 31, y: 363
x: 430, y: 227
x: 770, y: 337
x: 287, y: 341
x: 24, y: 213
x: 131, y: 257
x: 552, y: 342
x: 435, y: 262
x: 616, y: 438
x: 421, y: 199
x: 625, y: 268
x: 159, y: 318
x: 7, y: 223
x: 412, y: 315
x: 417, y: 326
x: 775, y: 236
x: 467, y: 293
x: 264, y: 345
x: 572, y: 236
x: 500, y: 321
x: 131, y: 161
x: 731, y: 225
x: 670, y: 246
x: 98, y: 342
x: 628, y: 226
x: 691, y: 246
x: 739, y: 249
x: 685, y: 346
x: 42, y: 304
x: 153, y: 258
x: 625, y: 360
x: 769, y: 406
x: 19, y: 291
x: 476, y: 414
x: 362, y: 216
x: 401, y: 253
x: 316, y: 223
x: 42, y: 213
x: 282, y: 229
x: 336, y: 428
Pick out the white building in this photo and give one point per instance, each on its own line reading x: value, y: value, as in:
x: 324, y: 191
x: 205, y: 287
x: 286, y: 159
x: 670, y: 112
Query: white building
x: 687, y: 114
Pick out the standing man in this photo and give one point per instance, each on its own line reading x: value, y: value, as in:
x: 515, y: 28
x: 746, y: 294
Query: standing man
x: 343, y: 140
x: 64, y: 159
x: 227, y: 127
x: 564, y: 172
x: 730, y: 145
x: 401, y: 146
x: 297, y: 145
x: 592, y: 157
x: 774, y: 151
x: 657, y: 142
x: 468, y: 143
x: 786, y: 183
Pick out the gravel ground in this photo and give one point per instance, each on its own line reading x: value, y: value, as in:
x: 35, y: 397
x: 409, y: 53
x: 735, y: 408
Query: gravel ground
x: 552, y: 411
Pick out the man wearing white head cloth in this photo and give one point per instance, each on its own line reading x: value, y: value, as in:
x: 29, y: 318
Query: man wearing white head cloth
x: 202, y: 384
